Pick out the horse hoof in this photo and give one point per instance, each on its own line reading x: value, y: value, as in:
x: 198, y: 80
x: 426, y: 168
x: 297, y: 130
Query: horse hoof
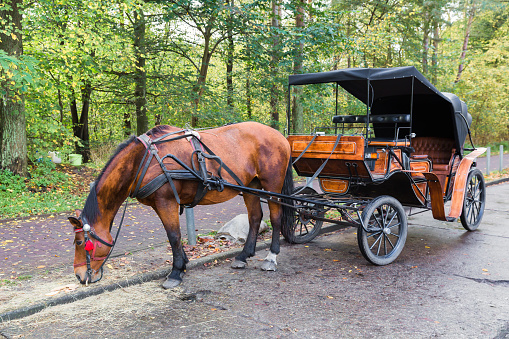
x: 268, y: 266
x: 171, y: 283
x: 239, y: 264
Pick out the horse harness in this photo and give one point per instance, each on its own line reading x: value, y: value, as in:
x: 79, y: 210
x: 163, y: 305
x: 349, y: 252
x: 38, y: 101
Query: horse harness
x: 206, y: 180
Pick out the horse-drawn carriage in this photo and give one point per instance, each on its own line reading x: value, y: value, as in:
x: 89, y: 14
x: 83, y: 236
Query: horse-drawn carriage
x: 406, y: 149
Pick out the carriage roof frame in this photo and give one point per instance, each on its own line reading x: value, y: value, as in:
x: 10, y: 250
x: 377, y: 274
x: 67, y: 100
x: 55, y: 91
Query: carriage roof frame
x: 392, y: 90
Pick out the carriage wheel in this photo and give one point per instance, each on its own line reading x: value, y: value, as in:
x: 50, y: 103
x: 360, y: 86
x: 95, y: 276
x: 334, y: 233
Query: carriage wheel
x: 305, y: 228
x: 386, y: 224
x: 474, y: 200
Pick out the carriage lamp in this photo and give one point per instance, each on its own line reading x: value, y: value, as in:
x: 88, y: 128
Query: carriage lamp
x: 371, y: 156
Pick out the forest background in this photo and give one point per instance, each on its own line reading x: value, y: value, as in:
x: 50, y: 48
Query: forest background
x: 82, y: 75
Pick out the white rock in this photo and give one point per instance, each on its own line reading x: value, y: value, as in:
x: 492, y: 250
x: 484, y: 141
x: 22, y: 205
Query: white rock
x: 237, y: 229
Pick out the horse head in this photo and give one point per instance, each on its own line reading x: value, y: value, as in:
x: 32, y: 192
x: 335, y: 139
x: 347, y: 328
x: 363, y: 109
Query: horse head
x: 93, y: 243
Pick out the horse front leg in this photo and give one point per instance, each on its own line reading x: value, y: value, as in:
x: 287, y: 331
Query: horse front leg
x: 255, y: 214
x: 168, y: 212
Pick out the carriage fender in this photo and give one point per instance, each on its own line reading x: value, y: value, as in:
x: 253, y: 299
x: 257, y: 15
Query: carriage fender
x: 458, y: 193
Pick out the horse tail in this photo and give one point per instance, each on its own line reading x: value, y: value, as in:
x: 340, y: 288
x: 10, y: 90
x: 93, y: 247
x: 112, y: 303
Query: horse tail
x: 287, y: 220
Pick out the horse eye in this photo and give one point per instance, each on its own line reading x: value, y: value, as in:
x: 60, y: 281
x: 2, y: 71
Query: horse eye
x: 79, y: 242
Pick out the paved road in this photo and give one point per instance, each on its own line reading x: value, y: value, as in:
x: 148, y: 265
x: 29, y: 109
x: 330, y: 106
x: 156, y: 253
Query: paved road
x: 447, y: 283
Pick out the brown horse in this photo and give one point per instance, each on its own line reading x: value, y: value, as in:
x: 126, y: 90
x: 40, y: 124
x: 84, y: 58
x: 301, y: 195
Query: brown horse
x: 256, y: 155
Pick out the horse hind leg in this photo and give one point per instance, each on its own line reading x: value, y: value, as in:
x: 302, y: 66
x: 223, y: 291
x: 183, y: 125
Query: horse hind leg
x: 280, y: 216
x: 270, y: 261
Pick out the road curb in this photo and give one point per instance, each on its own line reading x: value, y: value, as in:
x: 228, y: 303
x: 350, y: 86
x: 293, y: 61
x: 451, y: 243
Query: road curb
x: 496, y: 182
x: 136, y: 280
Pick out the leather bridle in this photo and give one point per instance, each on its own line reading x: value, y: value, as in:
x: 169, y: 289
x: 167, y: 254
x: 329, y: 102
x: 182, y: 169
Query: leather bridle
x: 92, y: 241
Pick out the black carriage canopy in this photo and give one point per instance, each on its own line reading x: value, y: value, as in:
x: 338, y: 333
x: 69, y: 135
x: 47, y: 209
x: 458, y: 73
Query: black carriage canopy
x: 400, y: 90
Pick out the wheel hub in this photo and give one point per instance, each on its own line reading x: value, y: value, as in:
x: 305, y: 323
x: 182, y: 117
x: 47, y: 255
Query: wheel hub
x: 387, y: 230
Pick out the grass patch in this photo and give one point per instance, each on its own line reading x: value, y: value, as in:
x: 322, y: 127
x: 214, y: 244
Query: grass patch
x: 494, y: 175
x: 24, y: 277
x: 7, y: 282
x: 48, y: 188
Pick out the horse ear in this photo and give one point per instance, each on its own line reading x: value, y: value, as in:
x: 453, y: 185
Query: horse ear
x: 75, y: 222
x: 78, y: 213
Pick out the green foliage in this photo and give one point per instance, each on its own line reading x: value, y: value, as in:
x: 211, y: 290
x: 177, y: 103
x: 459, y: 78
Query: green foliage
x: 72, y: 44
x: 46, y: 190
x: 17, y: 74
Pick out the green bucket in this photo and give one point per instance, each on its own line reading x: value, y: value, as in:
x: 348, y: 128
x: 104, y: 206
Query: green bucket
x: 75, y: 159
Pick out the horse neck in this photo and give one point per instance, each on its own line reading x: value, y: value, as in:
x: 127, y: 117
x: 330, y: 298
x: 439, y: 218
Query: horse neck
x: 114, y: 185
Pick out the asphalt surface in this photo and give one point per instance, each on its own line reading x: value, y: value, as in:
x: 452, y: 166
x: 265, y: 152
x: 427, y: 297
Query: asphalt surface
x: 447, y: 283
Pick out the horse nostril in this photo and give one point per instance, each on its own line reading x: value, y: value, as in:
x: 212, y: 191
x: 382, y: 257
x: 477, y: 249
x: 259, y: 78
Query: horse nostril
x: 79, y: 279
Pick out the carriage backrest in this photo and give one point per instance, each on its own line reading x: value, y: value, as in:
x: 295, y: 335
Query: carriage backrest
x: 439, y: 150
x: 377, y: 119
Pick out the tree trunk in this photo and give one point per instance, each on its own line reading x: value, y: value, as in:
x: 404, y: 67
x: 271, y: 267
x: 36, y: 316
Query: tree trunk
x: 127, y: 123
x: 202, y: 77
x: 425, y: 44
x: 80, y: 121
x: 249, y: 95
x: 297, y: 109
x: 13, y: 142
x: 140, y: 74
x: 434, y: 58
x: 274, y: 62
x: 461, y: 67
x: 229, y: 61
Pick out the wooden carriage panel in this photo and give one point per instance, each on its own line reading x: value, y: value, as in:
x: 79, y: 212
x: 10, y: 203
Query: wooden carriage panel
x: 348, y: 148
x: 394, y: 165
x: 333, y: 185
x: 417, y: 168
x: 380, y: 163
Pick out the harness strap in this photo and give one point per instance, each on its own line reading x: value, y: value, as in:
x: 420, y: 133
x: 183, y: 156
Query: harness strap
x: 220, y: 162
x: 319, y: 170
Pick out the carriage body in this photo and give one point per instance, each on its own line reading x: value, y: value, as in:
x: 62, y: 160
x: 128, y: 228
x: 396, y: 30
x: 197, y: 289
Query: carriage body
x: 408, y: 145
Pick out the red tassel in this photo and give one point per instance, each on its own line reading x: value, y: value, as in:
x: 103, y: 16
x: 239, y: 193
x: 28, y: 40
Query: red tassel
x: 89, y: 246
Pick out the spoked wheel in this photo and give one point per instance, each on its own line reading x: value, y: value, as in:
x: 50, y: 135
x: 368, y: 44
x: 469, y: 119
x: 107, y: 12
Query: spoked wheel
x: 305, y: 228
x: 474, y: 200
x: 386, y: 224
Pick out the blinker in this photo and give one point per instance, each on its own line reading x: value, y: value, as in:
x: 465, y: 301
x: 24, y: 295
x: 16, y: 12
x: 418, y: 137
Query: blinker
x: 89, y: 245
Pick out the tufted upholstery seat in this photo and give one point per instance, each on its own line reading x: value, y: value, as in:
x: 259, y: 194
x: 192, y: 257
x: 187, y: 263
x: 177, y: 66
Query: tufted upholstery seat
x: 439, y: 150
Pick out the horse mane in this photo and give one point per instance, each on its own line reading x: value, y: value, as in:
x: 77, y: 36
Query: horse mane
x: 158, y: 130
x: 91, y: 209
